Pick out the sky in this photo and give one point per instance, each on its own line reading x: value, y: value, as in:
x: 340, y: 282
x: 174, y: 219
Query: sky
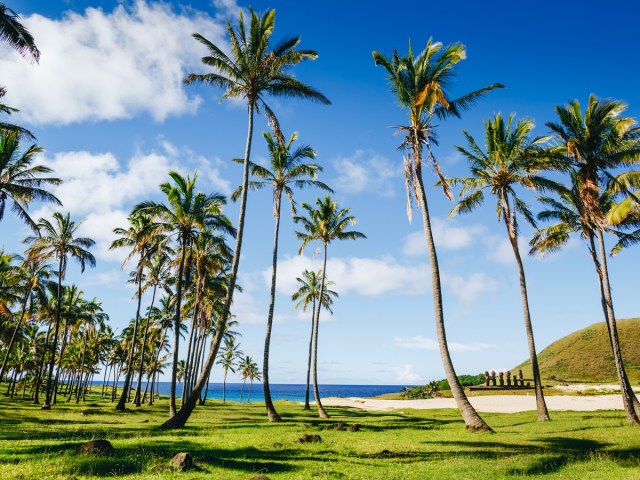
x: 107, y: 103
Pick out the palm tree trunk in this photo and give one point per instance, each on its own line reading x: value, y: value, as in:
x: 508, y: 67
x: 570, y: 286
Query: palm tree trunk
x: 224, y: 386
x: 181, y: 417
x: 176, y: 338
x: 84, y: 351
x: 127, y: 378
x: 15, y: 333
x: 189, y: 360
x: 250, y: 388
x: 271, y: 410
x: 627, y: 395
x: 306, y: 392
x: 316, y: 392
x: 47, y: 400
x: 541, y: 406
x: 42, y: 368
x: 242, y: 389
x: 137, y: 399
x: 472, y: 420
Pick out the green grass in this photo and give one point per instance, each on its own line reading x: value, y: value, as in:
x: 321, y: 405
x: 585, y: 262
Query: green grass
x: 235, y: 442
x: 585, y: 355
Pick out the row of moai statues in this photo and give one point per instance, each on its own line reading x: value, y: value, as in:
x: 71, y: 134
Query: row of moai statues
x: 515, y: 380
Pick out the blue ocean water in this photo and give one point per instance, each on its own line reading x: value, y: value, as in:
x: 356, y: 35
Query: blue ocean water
x: 291, y: 392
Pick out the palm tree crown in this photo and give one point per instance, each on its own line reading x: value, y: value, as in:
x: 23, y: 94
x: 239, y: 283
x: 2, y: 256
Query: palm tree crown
x: 20, y: 180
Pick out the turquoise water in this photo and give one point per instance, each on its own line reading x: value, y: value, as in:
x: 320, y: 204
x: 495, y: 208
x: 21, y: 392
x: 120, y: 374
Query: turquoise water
x: 291, y: 392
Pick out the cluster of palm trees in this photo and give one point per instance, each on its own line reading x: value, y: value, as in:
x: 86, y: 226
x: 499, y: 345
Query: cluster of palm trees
x: 592, y: 149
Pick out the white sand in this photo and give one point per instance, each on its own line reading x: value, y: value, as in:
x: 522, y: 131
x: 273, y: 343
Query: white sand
x: 492, y: 403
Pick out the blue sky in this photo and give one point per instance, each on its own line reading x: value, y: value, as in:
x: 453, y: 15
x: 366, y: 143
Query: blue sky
x: 108, y: 105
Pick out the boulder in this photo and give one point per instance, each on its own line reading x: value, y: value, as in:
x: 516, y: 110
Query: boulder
x: 97, y: 447
x: 310, y: 439
x: 183, y: 461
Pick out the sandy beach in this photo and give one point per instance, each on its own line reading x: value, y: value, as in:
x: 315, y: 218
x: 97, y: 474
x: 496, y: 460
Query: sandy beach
x: 495, y: 403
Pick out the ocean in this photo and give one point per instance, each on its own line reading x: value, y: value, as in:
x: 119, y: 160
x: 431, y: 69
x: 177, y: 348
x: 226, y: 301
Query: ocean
x: 291, y: 392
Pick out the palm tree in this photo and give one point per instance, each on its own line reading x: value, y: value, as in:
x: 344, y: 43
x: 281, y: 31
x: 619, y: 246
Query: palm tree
x: 308, y: 294
x: 187, y: 213
x: 20, y: 180
x: 142, y: 239
x: 511, y: 159
x: 57, y: 240
x: 325, y: 224
x: 230, y: 353
x: 253, y: 374
x: 592, y: 145
x: 254, y: 69
x: 420, y: 84
x: 287, y: 170
x: 16, y: 35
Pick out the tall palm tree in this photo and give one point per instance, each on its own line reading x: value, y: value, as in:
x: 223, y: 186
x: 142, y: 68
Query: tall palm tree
x: 512, y: 159
x: 16, y: 35
x: 593, y: 145
x: 254, y: 69
x: 20, y: 180
x: 58, y: 241
x: 187, y: 212
x: 420, y: 84
x: 141, y: 239
x: 324, y: 224
x: 287, y: 170
x: 308, y: 294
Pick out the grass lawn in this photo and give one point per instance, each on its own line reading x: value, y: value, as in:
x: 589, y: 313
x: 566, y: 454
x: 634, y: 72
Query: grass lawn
x: 235, y: 441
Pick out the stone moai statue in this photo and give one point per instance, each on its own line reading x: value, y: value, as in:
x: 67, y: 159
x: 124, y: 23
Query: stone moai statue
x: 486, y: 378
x: 508, y: 378
x: 493, y: 378
x: 501, y: 375
x: 521, y: 378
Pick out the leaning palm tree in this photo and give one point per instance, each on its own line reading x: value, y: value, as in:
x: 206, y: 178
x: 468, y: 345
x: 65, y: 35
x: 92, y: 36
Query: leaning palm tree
x: 287, y: 170
x: 420, y: 84
x: 254, y: 69
x: 58, y: 241
x: 187, y: 212
x: 16, y: 35
x: 324, y: 224
x: 308, y: 294
x: 512, y: 159
x: 20, y: 180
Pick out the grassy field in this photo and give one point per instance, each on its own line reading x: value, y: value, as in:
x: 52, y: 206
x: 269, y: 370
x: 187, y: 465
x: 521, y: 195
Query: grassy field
x: 234, y: 441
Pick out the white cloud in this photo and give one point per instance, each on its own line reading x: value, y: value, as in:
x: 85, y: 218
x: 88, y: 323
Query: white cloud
x: 468, y: 290
x: 364, y: 276
x: 100, y: 190
x: 407, y: 375
x: 446, y: 234
x: 109, y: 65
x: 423, y: 343
x: 367, y: 172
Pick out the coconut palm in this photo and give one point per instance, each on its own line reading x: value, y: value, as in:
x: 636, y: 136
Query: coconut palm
x: 20, y: 180
x: 511, y: 159
x: 187, y: 213
x: 420, y: 84
x: 228, y: 356
x: 308, y: 294
x: 254, y: 69
x: 16, y: 35
x: 324, y: 224
x: 58, y: 241
x: 287, y: 170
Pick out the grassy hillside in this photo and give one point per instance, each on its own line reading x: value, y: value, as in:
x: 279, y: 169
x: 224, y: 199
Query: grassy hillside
x: 585, y: 355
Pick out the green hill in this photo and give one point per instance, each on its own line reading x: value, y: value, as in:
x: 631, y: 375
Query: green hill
x: 585, y: 355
